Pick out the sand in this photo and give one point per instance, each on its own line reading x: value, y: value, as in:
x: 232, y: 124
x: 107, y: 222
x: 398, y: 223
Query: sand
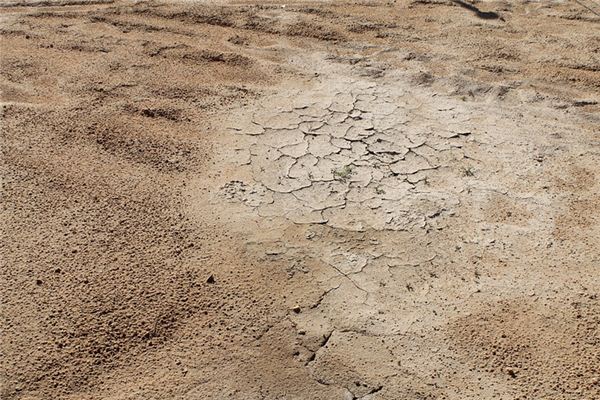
x: 300, y: 200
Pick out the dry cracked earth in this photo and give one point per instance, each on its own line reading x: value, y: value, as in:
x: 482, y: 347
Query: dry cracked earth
x: 300, y: 200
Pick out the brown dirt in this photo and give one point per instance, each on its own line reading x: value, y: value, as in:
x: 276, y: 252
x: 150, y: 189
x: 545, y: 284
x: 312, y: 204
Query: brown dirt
x: 150, y: 253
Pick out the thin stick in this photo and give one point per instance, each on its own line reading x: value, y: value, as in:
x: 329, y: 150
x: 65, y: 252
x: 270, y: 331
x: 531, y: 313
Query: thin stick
x: 589, y: 8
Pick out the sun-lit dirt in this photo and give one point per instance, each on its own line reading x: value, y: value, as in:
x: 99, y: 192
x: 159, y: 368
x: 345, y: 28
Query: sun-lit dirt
x: 300, y: 200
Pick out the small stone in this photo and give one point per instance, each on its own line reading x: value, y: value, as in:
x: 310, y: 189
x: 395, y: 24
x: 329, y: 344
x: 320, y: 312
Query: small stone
x: 210, y: 279
x: 296, y: 309
x: 38, y: 282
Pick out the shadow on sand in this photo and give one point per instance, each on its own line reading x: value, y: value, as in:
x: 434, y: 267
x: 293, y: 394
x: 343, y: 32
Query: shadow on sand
x: 479, y: 13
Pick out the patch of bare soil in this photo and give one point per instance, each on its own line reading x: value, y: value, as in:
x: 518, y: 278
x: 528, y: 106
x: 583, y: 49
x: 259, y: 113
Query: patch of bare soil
x: 383, y: 200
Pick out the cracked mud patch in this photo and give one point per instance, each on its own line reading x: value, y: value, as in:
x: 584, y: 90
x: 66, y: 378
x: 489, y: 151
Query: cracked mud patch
x: 408, y: 208
x: 355, y: 154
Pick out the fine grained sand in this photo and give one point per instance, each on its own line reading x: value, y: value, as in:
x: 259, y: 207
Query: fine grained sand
x: 300, y: 200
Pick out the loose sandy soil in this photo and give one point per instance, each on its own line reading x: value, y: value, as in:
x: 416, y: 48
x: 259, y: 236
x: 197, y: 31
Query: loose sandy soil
x: 374, y: 200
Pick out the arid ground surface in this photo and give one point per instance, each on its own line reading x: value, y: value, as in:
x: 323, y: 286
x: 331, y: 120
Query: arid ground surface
x: 374, y: 200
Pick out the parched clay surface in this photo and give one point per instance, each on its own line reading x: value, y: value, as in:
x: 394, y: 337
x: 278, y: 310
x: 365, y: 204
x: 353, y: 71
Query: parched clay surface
x: 352, y: 154
x: 406, y: 207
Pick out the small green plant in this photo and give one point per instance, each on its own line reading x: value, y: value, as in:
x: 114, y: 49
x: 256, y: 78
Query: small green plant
x: 468, y: 171
x: 343, y: 173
